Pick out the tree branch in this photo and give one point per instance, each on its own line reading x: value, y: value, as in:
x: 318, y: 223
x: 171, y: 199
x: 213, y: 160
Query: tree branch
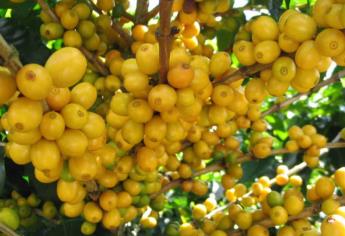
x: 7, y: 231
x: 220, y: 166
x: 334, y: 78
x: 9, y: 56
x: 164, y: 37
x: 241, y: 73
x: 123, y: 34
x: 142, y: 8
x: 45, y: 7
x: 149, y: 15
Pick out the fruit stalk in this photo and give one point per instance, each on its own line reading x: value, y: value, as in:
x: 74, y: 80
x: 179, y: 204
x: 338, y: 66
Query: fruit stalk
x: 164, y: 37
x: 7, y: 231
x: 241, y: 73
x: 9, y: 56
x: 334, y: 78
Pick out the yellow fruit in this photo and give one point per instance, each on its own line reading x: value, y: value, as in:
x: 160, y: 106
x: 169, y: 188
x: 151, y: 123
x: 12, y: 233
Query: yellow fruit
x: 58, y: 98
x: 276, y: 87
x: 145, y: 51
x: 286, y: 44
x: 105, y: 5
x: 307, y: 56
x: 286, y: 231
x: 136, y: 81
x: 72, y: 143
x: 219, y: 64
x: 75, y: 116
x: 45, y: 155
x: 283, y: 18
x: 199, y: 211
x: 72, y: 38
x: 305, y: 80
x: 258, y: 230
x: 69, y: 19
x: 72, y: 209
x: 333, y: 18
x: 66, y: 66
x: 222, y: 95
x: 243, y: 220
x: 278, y: 215
x: 7, y: 86
x: 108, y: 200
x: 95, y: 126
x: 324, y: 187
x: 83, y: 168
x: 124, y: 199
x: 146, y: 159
x: 266, y: 52
x: 84, y: 94
x: 19, y: 154
x: 180, y: 76
x: 329, y: 206
x: 294, y: 205
x: 330, y: 42
x: 265, y: 28
x: 52, y: 126
x: 333, y: 225
x: 300, y: 27
x: 25, y: 114
x: 339, y: 177
x: 284, y: 69
x: 24, y: 138
x: 162, y: 98
x: 320, y: 10
x: 119, y: 103
x: 244, y: 52
x: 34, y: 81
x: 255, y: 91
x: 132, y: 132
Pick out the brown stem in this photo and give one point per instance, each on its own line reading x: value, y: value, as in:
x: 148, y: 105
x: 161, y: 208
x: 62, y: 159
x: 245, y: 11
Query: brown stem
x: 123, y: 34
x: 45, y: 7
x: 7, y: 231
x: 149, y: 15
x: 164, y: 37
x: 9, y: 56
x: 335, y: 78
x: 242, y: 73
x: 141, y: 9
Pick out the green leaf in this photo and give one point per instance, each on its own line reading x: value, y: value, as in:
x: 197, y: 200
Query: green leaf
x: 225, y: 39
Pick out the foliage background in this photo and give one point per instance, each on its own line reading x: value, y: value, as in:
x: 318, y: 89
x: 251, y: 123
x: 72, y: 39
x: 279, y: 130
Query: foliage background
x: 19, y: 24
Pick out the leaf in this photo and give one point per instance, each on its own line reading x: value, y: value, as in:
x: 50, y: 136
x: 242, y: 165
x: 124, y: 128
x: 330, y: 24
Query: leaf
x: 225, y: 39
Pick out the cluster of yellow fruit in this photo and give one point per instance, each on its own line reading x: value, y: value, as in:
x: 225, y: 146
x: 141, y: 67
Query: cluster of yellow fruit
x: 262, y: 208
x: 19, y: 211
x: 78, y: 27
x: 308, y: 139
x: 309, y: 52
x: 51, y: 127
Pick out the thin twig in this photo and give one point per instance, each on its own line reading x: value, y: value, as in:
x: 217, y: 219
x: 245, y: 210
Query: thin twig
x: 242, y: 73
x: 164, y: 37
x: 45, y: 7
x: 9, y: 56
x: 334, y: 78
x: 123, y: 34
x: 149, y: 15
x: 7, y: 231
